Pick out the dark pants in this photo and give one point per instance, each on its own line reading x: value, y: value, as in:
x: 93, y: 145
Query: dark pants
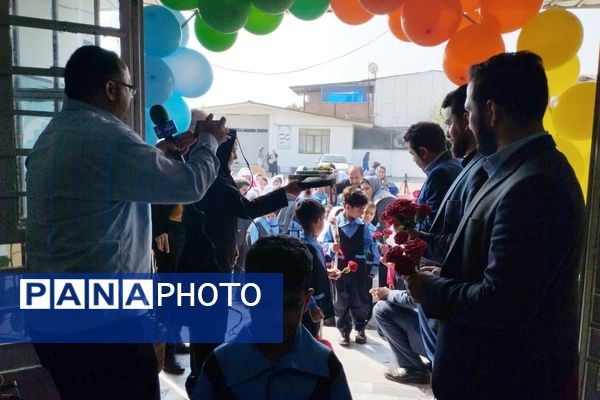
x: 102, y: 371
x: 352, y: 302
x: 400, y: 326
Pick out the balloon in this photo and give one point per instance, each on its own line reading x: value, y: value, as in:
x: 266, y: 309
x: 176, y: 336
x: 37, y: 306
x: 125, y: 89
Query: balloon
x: 548, y: 124
x: 350, y: 11
x: 179, y: 112
x: 261, y: 23
x: 185, y: 30
x: 468, y: 19
x: 561, y: 78
x: 395, y: 24
x: 225, y: 16
x: 192, y: 72
x: 381, y: 7
x: 272, y: 6
x: 429, y: 23
x: 508, y: 15
x: 211, y: 39
x: 309, y: 10
x: 573, y: 115
x: 469, y: 6
x: 469, y: 46
x: 555, y: 35
x: 158, y: 81
x: 578, y: 161
x: 162, y: 33
x: 180, y: 4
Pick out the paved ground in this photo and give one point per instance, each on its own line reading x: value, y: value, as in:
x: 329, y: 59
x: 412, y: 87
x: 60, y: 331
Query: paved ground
x: 364, y: 366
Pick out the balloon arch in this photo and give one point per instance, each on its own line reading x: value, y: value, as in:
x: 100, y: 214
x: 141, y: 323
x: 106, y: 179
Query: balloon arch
x: 472, y: 30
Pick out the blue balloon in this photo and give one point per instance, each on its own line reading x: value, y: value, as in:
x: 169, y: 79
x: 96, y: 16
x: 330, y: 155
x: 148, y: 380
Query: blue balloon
x: 158, y: 80
x: 192, y: 72
x: 185, y: 30
x: 162, y: 33
x: 178, y: 111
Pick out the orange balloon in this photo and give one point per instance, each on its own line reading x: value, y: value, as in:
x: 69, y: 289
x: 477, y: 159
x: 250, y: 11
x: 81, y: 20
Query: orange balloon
x: 468, y: 19
x: 474, y: 44
x: 381, y: 7
x: 395, y: 24
x: 470, y: 5
x: 350, y: 11
x: 456, y: 71
x: 508, y: 15
x: 429, y: 23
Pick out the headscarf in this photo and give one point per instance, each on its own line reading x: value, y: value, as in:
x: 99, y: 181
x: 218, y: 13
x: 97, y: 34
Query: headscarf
x: 380, y: 191
x: 224, y: 155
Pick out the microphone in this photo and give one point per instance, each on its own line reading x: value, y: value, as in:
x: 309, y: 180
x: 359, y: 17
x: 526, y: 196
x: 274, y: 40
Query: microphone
x: 163, y: 126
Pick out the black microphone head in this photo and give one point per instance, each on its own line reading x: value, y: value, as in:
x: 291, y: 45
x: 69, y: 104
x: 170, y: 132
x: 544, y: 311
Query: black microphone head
x: 158, y: 114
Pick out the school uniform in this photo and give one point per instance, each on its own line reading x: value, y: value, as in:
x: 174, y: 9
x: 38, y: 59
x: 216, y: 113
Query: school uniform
x: 319, y: 281
x: 352, y: 301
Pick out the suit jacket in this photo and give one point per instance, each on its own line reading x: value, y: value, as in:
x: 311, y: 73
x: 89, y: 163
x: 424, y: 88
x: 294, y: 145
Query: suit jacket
x: 440, y: 176
x: 211, y: 225
x: 507, y: 297
x: 451, y: 211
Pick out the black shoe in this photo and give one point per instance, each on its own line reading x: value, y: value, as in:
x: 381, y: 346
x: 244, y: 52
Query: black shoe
x: 408, y: 375
x: 345, y: 339
x: 329, y: 321
x: 361, y: 337
x: 173, y: 367
x: 181, y: 348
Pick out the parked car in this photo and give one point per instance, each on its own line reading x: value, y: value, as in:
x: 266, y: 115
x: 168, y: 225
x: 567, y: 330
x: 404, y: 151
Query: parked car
x: 338, y: 160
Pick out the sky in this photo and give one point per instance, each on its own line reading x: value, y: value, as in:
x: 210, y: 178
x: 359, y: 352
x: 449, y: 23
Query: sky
x: 297, y: 44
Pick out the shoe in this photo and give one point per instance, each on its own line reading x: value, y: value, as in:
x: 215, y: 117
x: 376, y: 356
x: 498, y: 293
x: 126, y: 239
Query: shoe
x: 173, y: 368
x: 181, y: 348
x: 345, y: 339
x: 408, y: 375
x: 361, y: 337
x: 329, y: 321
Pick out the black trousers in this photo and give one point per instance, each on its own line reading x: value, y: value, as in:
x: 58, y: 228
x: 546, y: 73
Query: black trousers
x: 102, y: 371
x: 352, y: 302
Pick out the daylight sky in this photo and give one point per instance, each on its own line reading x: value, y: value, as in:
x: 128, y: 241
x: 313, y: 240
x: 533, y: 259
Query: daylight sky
x: 298, y: 44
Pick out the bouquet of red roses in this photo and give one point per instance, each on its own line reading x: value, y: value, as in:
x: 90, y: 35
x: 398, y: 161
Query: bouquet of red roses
x: 403, y: 215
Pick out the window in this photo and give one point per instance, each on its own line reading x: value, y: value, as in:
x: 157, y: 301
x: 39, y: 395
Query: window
x: 35, y: 44
x: 313, y: 141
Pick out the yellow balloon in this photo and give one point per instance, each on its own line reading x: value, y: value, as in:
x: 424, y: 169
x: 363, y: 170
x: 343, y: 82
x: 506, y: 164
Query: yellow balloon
x: 573, y: 115
x: 579, y: 164
x: 561, y: 78
x: 555, y: 35
x: 548, y: 124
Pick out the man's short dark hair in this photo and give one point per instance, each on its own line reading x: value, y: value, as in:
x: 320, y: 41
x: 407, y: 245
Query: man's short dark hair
x: 308, y: 211
x: 456, y: 100
x: 516, y: 82
x: 426, y: 134
x: 281, y: 254
x: 241, y: 182
x: 88, y: 69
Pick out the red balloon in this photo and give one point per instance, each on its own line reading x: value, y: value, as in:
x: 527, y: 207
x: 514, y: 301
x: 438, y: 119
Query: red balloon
x: 509, y: 15
x: 469, y: 46
x: 350, y: 11
x: 381, y: 7
x: 395, y: 24
x: 431, y: 22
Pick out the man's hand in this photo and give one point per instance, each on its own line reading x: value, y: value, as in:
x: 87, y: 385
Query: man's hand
x: 181, y: 146
x: 435, y: 271
x: 335, y: 247
x: 334, y: 274
x: 162, y: 242
x: 293, y: 187
x: 380, y: 293
x: 414, y: 284
x: 215, y: 128
x: 316, y: 314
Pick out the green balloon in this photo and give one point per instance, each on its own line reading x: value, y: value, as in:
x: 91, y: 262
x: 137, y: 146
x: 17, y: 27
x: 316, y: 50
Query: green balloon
x: 211, y: 39
x: 309, y: 10
x: 261, y: 23
x: 225, y: 16
x: 272, y: 6
x: 180, y: 4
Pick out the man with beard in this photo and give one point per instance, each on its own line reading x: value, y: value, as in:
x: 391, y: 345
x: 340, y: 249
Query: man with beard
x: 507, y: 294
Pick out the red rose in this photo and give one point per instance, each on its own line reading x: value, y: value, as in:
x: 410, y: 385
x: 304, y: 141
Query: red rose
x: 353, y: 266
x: 415, y: 248
x: 401, y: 237
x: 387, y: 232
x: 377, y: 235
x: 425, y: 210
x: 403, y: 264
x: 416, y: 194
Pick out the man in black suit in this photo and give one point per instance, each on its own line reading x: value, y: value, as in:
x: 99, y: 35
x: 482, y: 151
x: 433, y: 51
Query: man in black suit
x: 507, y: 297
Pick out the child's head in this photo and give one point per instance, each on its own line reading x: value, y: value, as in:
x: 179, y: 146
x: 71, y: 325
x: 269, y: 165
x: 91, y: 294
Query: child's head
x: 369, y: 213
x: 354, y: 202
x: 263, y: 182
x: 320, y: 190
x: 276, y: 183
x: 311, y: 216
x: 288, y: 256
